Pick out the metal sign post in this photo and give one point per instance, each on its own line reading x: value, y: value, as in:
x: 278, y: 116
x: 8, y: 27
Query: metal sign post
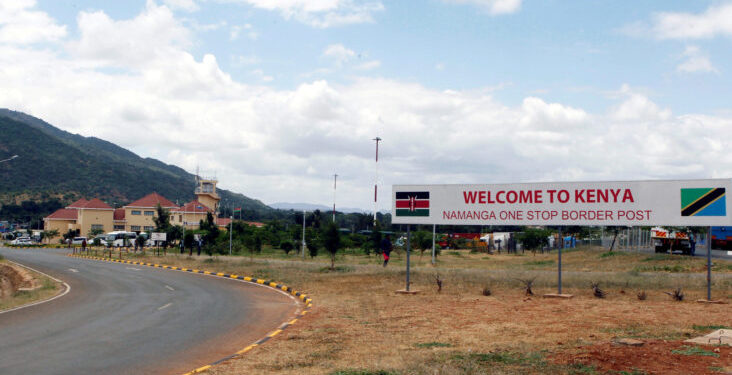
x: 409, y: 245
x: 709, y: 264
x: 434, y: 228
x: 559, y: 262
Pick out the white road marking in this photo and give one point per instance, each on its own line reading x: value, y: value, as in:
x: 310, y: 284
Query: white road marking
x: 164, y: 306
x: 74, y: 270
x: 169, y: 287
x: 133, y: 268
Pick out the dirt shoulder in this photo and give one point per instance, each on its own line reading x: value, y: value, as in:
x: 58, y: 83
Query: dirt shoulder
x: 358, y: 325
x: 21, y: 286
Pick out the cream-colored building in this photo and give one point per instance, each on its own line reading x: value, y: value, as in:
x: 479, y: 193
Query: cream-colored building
x: 84, y: 215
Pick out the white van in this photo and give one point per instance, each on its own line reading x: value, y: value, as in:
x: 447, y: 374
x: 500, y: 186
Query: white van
x: 116, y: 239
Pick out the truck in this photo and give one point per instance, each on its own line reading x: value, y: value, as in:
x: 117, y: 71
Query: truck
x: 665, y: 240
x: 722, y: 238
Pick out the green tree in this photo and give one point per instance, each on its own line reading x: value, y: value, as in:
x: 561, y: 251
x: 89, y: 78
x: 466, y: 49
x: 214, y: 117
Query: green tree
x: 286, y: 246
x: 534, y: 238
x: 312, y: 242
x: 188, y: 240
x: 331, y: 241
x: 162, y: 220
x: 376, y: 238
x: 421, y: 240
x: 211, y: 230
x: 95, y: 232
x: 49, y: 234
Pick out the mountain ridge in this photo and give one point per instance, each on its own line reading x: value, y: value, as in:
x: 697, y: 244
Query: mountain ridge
x: 57, y: 164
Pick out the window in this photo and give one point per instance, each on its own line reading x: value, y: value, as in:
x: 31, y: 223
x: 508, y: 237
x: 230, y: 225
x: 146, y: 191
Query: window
x: 135, y: 228
x: 149, y: 213
x: 180, y: 218
x: 97, y: 227
x: 148, y: 228
x: 135, y: 212
x: 119, y: 227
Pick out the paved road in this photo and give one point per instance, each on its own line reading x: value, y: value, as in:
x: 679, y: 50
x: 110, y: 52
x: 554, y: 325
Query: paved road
x: 125, y: 319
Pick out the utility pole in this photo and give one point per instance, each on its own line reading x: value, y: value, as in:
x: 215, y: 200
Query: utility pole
x: 303, y: 234
x: 231, y: 226
x: 335, y: 180
x: 376, y: 181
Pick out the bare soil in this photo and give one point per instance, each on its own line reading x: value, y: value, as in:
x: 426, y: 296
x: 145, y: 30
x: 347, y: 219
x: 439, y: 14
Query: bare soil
x: 359, y: 325
x: 654, y: 357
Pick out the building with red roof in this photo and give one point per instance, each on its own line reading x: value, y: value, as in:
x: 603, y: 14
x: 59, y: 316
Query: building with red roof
x: 83, y: 216
x: 87, y: 216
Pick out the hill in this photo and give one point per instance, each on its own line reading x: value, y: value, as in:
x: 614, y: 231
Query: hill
x: 58, y: 165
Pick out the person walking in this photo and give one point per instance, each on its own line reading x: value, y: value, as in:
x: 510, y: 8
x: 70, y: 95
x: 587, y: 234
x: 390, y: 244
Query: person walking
x: 83, y: 245
x: 386, y: 248
x: 692, y: 243
x: 182, y: 246
x: 199, y: 247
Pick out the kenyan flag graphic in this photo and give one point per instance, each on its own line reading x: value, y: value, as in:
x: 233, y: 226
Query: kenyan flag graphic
x: 413, y: 203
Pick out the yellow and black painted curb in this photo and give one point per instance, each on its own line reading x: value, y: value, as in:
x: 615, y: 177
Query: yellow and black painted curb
x: 307, y: 301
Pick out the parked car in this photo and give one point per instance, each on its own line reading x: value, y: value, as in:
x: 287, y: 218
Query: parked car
x: 21, y: 241
x: 79, y: 240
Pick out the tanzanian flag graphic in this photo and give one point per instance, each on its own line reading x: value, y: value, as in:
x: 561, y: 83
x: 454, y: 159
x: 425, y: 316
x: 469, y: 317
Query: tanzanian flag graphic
x: 413, y: 203
x: 703, y: 202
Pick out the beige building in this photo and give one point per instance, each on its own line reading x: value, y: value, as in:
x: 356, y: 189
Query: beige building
x: 84, y: 215
x: 138, y: 215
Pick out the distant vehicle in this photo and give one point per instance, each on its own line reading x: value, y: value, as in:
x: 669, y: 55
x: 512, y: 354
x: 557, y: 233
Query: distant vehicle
x: 117, y: 239
x: 79, y: 240
x: 665, y: 240
x: 21, y: 241
x: 722, y: 238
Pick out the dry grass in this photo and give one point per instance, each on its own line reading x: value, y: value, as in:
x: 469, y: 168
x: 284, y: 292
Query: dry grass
x: 360, y: 326
x: 48, y: 289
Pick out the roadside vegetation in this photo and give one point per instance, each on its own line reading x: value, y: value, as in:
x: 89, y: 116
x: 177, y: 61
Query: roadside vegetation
x: 358, y: 325
x: 47, y: 288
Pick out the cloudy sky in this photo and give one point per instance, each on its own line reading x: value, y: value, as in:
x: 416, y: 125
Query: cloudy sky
x: 276, y: 96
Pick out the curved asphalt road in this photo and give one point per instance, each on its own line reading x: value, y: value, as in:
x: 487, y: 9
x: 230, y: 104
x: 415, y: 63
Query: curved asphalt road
x: 129, y: 319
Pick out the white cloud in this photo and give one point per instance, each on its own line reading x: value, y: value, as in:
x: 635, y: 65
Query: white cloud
x: 284, y: 145
x: 342, y: 56
x: 637, y: 107
x: 369, y: 65
x: 695, y: 61
x: 259, y: 73
x: 186, y: 5
x: 714, y: 21
x: 247, y: 28
x: 494, y: 7
x: 339, y: 53
x: 21, y: 24
x: 153, y: 34
x: 322, y: 13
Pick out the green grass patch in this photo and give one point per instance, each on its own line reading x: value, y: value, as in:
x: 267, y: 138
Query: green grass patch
x: 711, y: 327
x: 676, y: 268
x: 433, y: 344
x: 340, y: 269
x: 609, y: 254
x: 660, y: 257
x: 694, y: 350
x: 581, y: 368
x: 539, y: 262
x: 455, y: 253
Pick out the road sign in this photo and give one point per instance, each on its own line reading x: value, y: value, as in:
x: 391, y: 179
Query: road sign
x: 158, y: 236
x: 673, y: 202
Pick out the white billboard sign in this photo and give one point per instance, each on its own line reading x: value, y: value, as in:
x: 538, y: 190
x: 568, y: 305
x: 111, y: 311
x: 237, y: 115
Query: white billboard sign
x: 675, y: 202
x: 158, y: 236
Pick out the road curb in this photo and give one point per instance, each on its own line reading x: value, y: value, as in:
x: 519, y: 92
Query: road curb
x: 307, y: 301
